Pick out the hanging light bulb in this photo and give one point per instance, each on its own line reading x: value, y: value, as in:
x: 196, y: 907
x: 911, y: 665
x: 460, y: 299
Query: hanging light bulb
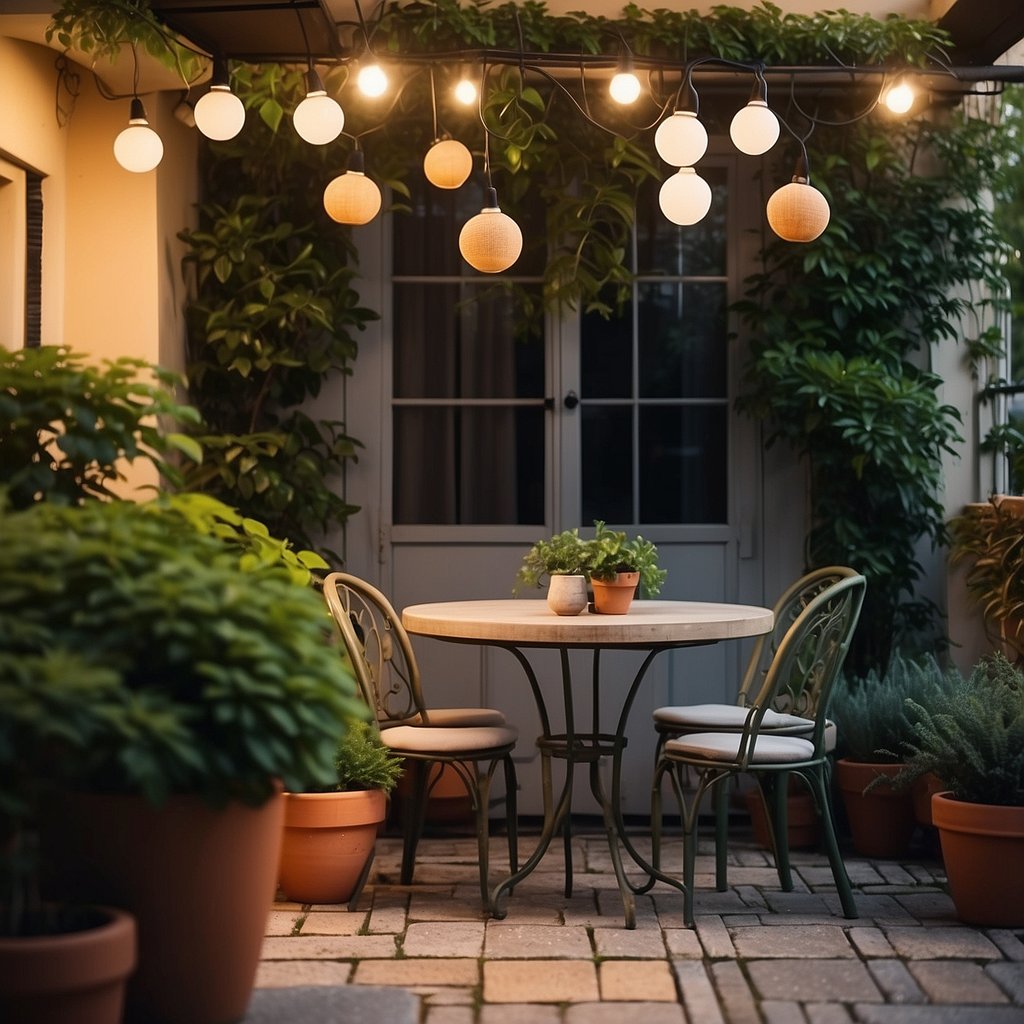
x: 625, y: 86
x: 220, y: 114
x: 448, y: 163
x: 491, y: 241
x: 138, y: 148
x: 899, y: 98
x: 685, y: 197
x: 681, y: 140
x: 754, y: 128
x: 465, y: 91
x: 798, y: 212
x: 352, y: 197
x: 318, y: 118
x: 372, y: 81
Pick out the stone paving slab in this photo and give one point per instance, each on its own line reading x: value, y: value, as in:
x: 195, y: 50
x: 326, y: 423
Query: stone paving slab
x: 540, y: 981
x: 332, y: 1005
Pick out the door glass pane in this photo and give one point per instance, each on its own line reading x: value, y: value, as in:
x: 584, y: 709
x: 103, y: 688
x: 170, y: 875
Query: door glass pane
x: 606, y: 355
x: 607, y: 463
x: 683, y: 464
x: 681, y: 339
x: 463, y: 341
x: 469, y: 465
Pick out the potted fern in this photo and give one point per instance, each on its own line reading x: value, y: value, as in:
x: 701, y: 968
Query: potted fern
x: 972, y: 737
x: 873, y: 721
x: 330, y: 831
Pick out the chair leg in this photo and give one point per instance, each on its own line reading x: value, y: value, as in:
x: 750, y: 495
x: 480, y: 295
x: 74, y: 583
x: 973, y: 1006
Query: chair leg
x: 512, y: 813
x: 658, y: 778
x: 482, y: 789
x: 415, y: 814
x: 816, y: 779
x: 689, y: 821
x: 721, y: 800
x: 780, y: 829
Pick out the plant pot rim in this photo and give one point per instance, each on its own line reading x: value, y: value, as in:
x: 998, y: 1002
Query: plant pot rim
x: 952, y: 813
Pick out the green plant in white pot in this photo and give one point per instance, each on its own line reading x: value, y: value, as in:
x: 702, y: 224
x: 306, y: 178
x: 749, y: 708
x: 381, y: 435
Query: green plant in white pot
x: 564, y: 561
x: 208, y: 682
x: 972, y: 738
x: 330, y: 830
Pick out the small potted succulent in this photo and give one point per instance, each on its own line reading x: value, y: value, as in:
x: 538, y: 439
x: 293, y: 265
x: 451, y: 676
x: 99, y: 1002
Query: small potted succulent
x: 618, y: 566
x: 330, y: 830
x: 972, y: 737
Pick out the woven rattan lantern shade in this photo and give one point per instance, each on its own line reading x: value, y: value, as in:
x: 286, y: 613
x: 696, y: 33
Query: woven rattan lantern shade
x: 352, y: 197
x: 491, y: 241
x: 798, y: 212
x: 447, y: 163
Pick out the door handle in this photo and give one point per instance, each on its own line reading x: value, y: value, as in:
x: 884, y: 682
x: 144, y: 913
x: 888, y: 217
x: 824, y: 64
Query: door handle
x: 571, y: 400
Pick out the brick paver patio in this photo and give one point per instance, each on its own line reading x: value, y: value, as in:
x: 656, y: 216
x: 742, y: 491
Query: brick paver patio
x: 756, y: 955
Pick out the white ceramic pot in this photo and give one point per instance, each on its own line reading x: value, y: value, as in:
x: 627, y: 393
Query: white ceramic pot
x: 567, y: 595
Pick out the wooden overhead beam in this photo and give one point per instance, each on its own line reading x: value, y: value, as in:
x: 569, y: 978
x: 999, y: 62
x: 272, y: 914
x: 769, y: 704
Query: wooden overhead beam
x: 983, y: 30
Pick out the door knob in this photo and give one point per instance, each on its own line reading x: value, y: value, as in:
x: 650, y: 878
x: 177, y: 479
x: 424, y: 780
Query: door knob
x: 571, y: 400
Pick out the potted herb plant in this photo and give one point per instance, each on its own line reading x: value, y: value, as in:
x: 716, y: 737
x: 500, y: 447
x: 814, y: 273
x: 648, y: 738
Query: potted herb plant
x: 330, y: 831
x: 873, y: 721
x: 618, y: 565
x: 564, y: 561
x: 989, y: 536
x: 201, y: 673
x: 972, y: 737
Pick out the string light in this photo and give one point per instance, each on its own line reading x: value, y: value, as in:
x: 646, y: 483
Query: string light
x: 319, y: 118
x: 685, y: 197
x: 220, y: 114
x: 754, y: 129
x: 352, y: 197
x: 625, y: 86
x: 465, y: 91
x: 491, y: 241
x: 900, y: 97
x: 372, y: 81
x: 138, y: 148
x: 681, y: 140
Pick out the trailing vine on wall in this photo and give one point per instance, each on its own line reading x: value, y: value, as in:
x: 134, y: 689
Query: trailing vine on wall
x: 840, y: 330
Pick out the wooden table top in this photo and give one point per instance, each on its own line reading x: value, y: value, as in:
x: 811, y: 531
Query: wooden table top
x: 532, y: 623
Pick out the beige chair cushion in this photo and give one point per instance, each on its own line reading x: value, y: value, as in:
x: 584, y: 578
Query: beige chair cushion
x: 724, y: 746
x: 708, y: 717
x: 468, y: 741
x: 456, y: 718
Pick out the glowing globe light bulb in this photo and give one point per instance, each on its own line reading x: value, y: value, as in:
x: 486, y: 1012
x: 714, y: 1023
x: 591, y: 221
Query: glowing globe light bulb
x: 754, y: 128
x: 797, y: 212
x: 625, y: 88
x: 685, y: 197
x: 900, y: 98
x: 681, y: 140
x: 491, y: 241
x: 318, y: 119
x: 465, y: 91
x: 138, y: 148
x: 372, y: 81
x: 220, y: 114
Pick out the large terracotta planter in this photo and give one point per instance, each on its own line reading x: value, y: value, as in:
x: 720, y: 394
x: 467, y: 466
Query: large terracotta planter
x: 614, y: 596
x: 73, y: 978
x: 199, y: 880
x: 881, y: 821
x: 801, y: 820
x: 983, y: 850
x: 328, y: 838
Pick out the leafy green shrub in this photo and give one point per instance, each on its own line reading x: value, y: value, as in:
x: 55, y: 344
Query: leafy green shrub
x: 611, y: 552
x: 564, y: 554
x: 65, y: 425
x: 875, y: 714
x: 972, y: 736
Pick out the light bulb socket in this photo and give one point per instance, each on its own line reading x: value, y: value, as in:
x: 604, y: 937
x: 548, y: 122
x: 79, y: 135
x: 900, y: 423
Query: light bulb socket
x: 356, y: 162
x: 220, y: 78
x: 491, y: 200
x: 314, y: 83
x: 137, y: 112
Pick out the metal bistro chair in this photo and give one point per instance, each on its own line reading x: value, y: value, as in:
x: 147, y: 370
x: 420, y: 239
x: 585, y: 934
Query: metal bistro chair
x: 793, y: 712
x: 385, y: 667
x: 813, y: 650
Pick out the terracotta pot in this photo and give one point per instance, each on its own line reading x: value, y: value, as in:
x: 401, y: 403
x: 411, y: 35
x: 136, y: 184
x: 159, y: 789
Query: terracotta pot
x: 199, y: 881
x: 73, y: 978
x: 613, y: 597
x: 801, y: 819
x: 922, y: 789
x: 567, y: 595
x: 882, y: 821
x: 983, y: 850
x: 448, y: 800
x: 328, y: 838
